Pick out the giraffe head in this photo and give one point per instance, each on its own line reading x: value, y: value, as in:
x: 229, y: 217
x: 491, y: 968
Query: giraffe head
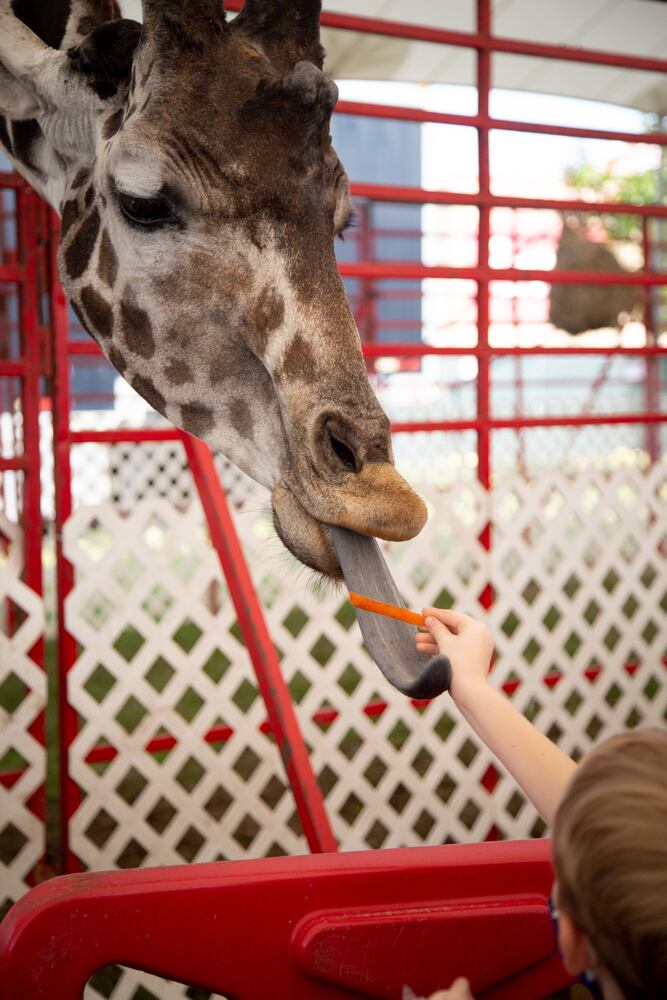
x: 200, y: 196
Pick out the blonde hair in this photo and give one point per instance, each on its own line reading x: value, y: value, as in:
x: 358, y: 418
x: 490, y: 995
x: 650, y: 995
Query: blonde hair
x: 610, y: 855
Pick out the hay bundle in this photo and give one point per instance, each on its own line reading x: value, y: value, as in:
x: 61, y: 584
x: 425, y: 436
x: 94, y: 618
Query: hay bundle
x: 577, y: 308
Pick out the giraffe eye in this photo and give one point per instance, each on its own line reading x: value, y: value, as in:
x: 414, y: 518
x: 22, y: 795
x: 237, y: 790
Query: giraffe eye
x: 150, y: 213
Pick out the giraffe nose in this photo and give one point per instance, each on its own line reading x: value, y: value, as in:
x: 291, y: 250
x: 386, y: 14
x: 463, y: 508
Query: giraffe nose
x: 341, y: 453
x: 346, y: 447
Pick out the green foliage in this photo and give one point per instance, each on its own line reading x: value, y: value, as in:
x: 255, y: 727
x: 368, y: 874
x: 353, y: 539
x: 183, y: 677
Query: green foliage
x: 605, y: 185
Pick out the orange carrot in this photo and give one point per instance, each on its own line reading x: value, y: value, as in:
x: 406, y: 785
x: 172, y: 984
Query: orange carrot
x: 382, y: 608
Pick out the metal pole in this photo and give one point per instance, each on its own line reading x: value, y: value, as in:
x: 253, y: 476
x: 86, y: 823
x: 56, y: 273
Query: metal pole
x: 69, y: 795
x: 283, y: 720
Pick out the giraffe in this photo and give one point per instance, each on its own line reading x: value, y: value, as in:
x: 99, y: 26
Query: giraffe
x: 191, y: 161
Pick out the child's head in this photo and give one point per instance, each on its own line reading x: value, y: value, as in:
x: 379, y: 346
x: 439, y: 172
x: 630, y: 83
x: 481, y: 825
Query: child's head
x: 610, y: 855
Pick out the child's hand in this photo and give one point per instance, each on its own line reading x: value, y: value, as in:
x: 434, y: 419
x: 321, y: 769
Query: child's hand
x: 466, y: 641
x: 459, y: 990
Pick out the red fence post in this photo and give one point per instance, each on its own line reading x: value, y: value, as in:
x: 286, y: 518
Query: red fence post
x: 277, y: 698
x: 69, y: 797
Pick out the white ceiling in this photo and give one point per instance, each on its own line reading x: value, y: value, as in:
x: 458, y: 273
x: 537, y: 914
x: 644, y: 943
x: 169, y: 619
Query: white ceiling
x: 633, y: 27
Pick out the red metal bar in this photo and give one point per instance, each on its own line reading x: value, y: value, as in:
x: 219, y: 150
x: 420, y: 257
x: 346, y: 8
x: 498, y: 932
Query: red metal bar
x: 424, y: 196
x: 12, y: 273
x: 421, y: 350
x: 388, y: 350
x: 69, y: 795
x: 133, y: 435
x: 516, y: 423
x: 31, y: 518
x: 483, y: 290
x: 277, y: 698
x: 399, y: 269
x: 396, y: 112
x: 13, y: 369
x: 18, y: 463
x: 84, y: 347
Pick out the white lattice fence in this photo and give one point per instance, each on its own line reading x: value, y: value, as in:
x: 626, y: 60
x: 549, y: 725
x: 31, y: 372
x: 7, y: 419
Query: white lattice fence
x: 22, y: 701
x: 578, y: 571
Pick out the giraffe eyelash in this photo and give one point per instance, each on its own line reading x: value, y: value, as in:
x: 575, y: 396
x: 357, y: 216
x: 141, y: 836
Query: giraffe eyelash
x: 145, y: 213
x: 351, y: 222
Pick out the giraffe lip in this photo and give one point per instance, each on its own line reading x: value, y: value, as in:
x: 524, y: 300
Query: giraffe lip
x: 305, y: 536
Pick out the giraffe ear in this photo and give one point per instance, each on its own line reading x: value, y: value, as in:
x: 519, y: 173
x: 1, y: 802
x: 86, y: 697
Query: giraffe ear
x: 288, y: 31
x: 105, y: 56
x: 34, y: 78
x: 16, y: 101
x: 22, y: 59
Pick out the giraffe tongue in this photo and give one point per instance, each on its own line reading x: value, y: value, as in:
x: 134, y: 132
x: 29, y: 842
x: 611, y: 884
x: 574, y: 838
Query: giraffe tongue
x: 391, y: 643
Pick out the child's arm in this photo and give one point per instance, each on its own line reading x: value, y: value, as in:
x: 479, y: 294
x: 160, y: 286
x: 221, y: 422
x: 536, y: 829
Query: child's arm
x: 534, y: 761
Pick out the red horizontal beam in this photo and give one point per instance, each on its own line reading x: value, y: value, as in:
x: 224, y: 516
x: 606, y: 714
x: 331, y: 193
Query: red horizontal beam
x: 130, y: 435
x: 85, y: 347
x: 422, y: 196
x: 11, y: 273
x: 409, y: 271
x: 10, y: 369
x: 16, y: 464
x: 375, y: 350
x: 11, y: 180
x: 326, y: 716
x: 524, y: 423
x: 395, y: 112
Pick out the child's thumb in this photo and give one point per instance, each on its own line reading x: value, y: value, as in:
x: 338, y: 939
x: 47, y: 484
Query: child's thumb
x: 439, y: 631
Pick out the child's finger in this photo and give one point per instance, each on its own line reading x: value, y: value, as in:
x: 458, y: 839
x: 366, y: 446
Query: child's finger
x: 454, y: 620
x: 440, y: 632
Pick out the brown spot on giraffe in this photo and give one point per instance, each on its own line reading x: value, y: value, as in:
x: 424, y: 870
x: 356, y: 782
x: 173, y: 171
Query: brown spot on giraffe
x: 79, y: 315
x: 178, y: 372
x: 137, y: 329
x: 267, y: 315
x: 80, y: 178
x: 145, y: 388
x: 299, y: 361
x: 80, y: 250
x: 112, y: 124
x: 69, y: 215
x: 117, y: 360
x: 218, y: 369
x: 98, y: 311
x: 241, y: 417
x: 107, y: 264
x: 197, y: 419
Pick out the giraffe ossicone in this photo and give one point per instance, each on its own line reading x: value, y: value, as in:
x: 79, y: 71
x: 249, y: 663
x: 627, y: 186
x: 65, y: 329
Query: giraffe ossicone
x: 191, y: 160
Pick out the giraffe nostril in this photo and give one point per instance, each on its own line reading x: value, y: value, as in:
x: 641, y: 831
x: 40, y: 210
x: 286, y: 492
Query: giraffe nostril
x: 344, y: 453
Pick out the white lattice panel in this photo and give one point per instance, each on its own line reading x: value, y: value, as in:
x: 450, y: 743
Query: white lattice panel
x: 404, y: 777
x: 159, y: 656
x: 22, y: 699
x: 578, y: 570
